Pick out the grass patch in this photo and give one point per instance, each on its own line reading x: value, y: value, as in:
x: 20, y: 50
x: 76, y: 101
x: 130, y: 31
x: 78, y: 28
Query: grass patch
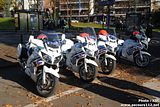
x: 81, y: 24
x: 7, y: 24
x: 156, y: 30
x: 97, y: 27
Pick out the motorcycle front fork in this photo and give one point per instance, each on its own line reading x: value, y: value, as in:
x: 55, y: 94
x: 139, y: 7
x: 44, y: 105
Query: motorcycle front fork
x: 44, y: 77
x: 105, y: 60
x: 141, y: 56
x: 85, y: 66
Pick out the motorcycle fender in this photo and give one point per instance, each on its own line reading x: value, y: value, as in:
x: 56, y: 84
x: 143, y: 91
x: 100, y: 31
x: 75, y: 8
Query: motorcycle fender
x: 91, y: 62
x: 51, y: 71
x: 110, y: 56
x: 143, y: 52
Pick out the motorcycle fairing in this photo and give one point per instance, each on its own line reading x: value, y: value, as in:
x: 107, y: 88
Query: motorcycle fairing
x: 51, y: 71
x: 133, y: 49
x: 76, y: 57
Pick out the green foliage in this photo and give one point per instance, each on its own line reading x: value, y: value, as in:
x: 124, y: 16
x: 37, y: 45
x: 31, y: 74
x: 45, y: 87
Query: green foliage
x: 2, y: 4
x: 7, y: 24
x: 155, y: 19
x: 81, y: 24
x: 156, y: 30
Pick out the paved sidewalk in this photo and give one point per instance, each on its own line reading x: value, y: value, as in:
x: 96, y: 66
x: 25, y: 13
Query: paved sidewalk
x: 8, y: 55
x: 8, y: 51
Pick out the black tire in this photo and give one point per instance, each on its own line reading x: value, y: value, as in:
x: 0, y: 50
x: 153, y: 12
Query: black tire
x: 139, y: 63
x: 110, y: 67
x: 49, y: 88
x: 62, y: 63
x: 87, y: 76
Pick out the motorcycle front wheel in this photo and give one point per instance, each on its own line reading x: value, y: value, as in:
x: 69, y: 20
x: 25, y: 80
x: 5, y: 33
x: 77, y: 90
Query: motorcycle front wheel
x: 47, y: 89
x: 109, y: 67
x: 142, y: 63
x: 88, y: 76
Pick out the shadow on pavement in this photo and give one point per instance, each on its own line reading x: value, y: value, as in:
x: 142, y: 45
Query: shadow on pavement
x: 123, y: 84
x: 11, y: 39
x: 105, y: 91
x: 4, y: 63
x: 11, y: 57
x: 14, y: 73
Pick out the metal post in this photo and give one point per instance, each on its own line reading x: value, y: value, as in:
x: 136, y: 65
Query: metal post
x: 27, y: 23
x: 21, y: 38
x: 22, y: 4
x: 108, y: 17
x: 135, y: 6
x: 79, y: 8
x: 67, y: 11
x: 18, y: 21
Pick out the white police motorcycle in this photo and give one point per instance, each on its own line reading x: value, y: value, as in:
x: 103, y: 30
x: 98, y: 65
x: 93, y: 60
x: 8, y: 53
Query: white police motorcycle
x: 45, y: 67
x: 81, y: 58
x: 135, y: 50
x: 107, y: 46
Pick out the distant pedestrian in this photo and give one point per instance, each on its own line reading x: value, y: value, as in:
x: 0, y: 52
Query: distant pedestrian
x: 121, y: 24
x: 149, y: 30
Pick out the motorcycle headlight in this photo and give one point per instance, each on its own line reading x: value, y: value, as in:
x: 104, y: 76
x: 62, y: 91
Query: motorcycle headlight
x: 57, y: 59
x: 47, y: 58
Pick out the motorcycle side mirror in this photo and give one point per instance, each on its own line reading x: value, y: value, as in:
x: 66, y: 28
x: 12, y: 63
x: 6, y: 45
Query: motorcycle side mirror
x: 44, y: 43
x: 31, y: 38
x: 63, y: 37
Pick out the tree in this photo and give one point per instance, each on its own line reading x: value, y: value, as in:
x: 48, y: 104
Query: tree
x: 6, y: 8
x: 155, y: 6
x: 155, y: 18
x: 2, y: 4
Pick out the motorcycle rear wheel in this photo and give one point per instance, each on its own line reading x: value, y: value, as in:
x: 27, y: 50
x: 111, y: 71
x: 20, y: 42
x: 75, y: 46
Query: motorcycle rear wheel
x: 49, y: 88
x: 87, y: 76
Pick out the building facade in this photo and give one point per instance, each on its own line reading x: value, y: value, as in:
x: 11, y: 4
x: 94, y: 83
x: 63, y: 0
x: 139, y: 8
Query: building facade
x: 76, y: 8
x: 121, y: 7
x: 84, y: 8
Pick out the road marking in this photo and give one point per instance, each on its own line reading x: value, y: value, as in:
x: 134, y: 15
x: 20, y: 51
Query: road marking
x: 54, y: 97
x: 57, y: 96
